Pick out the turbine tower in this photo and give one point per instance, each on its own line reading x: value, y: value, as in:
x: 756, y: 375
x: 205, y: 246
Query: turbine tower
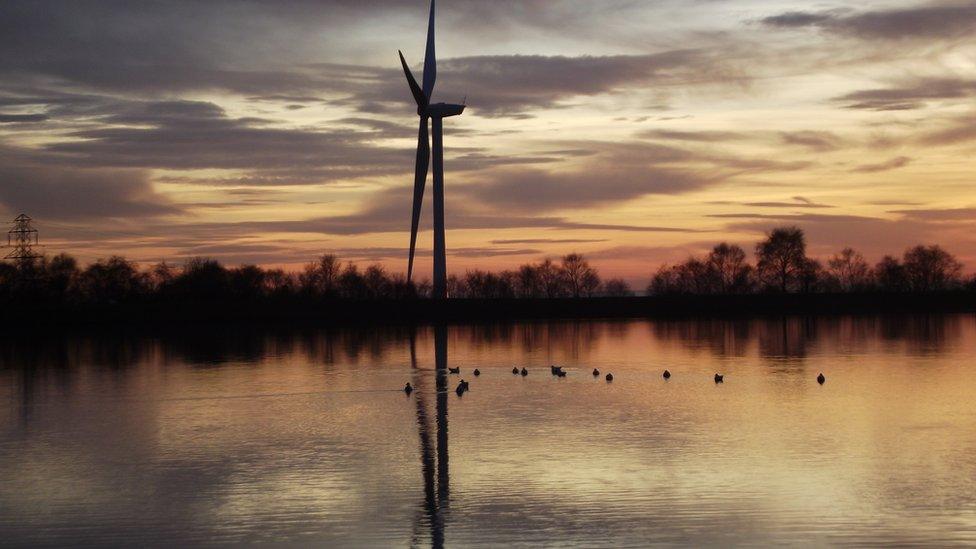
x: 434, y: 113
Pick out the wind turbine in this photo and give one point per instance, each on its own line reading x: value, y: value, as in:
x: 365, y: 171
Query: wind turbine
x: 435, y: 113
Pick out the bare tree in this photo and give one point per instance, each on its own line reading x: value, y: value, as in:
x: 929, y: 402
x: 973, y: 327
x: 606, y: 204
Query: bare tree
x: 850, y: 270
x: 781, y: 258
x: 551, y: 277
x: 930, y: 268
x: 889, y: 275
x: 322, y: 276
x: 581, y: 279
x: 617, y: 287
x: 727, y: 263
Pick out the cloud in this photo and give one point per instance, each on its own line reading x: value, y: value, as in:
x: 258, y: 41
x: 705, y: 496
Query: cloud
x: 34, y: 184
x: 700, y: 136
x: 177, y: 47
x: 514, y: 85
x: 916, y: 22
x: 529, y: 190
x: 939, y: 214
x: 16, y: 118
x: 909, y: 94
x: 798, y: 202
x: 795, y: 19
x: 819, y: 141
x: 959, y: 130
x: 893, y: 164
x: 548, y: 241
x: 388, y: 211
x: 188, y: 135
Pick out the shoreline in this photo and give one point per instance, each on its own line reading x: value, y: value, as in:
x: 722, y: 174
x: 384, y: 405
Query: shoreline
x: 427, y: 311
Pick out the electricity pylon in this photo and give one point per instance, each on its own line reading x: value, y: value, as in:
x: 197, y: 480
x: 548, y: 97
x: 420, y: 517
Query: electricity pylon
x: 22, y: 237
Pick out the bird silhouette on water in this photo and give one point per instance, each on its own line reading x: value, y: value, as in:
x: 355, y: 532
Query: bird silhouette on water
x: 477, y: 372
x: 667, y: 374
x: 560, y: 373
x: 556, y: 370
x: 408, y: 389
x: 821, y: 379
x: 719, y: 378
x: 461, y: 388
x: 609, y: 377
x: 524, y: 372
x: 454, y: 370
x: 515, y: 370
x: 596, y: 372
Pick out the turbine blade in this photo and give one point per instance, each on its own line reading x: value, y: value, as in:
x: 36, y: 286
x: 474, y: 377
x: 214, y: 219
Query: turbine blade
x: 430, y: 61
x: 419, y: 183
x: 418, y: 94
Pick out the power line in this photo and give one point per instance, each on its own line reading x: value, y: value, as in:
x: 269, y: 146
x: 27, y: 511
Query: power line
x: 22, y: 237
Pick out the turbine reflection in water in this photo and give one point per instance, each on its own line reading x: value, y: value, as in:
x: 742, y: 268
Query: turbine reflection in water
x: 436, y: 494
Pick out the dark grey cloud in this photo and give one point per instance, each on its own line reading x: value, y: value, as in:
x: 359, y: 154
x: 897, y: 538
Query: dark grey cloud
x: 529, y: 190
x: 501, y: 85
x: 893, y: 164
x: 909, y: 94
x: 933, y: 21
x: 15, y: 118
x: 515, y: 85
x: 701, y: 135
x: 958, y: 130
x: 181, y: 135
x: 149, y: 49
x: 797, y: 202
x: 34, y: 183
x: 388, y: 211
x: 939, y: 214
x: 792, y: 217
x: 794, y: 19
x: 818, y: 141
x: 549, y: 241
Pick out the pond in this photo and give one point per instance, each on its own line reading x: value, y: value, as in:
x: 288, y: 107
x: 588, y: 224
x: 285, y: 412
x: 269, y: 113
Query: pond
x: 299, y: 437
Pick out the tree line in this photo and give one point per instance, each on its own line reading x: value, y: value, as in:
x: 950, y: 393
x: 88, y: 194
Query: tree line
x: 781, y: 266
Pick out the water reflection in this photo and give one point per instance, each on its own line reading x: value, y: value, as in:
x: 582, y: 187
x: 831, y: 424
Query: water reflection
x: 303, y: 436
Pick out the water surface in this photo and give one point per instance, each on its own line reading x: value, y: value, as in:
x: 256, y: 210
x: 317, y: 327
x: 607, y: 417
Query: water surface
x: 304, y: 437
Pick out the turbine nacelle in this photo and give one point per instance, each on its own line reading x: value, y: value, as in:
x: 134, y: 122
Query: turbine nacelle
x: 443, y: 110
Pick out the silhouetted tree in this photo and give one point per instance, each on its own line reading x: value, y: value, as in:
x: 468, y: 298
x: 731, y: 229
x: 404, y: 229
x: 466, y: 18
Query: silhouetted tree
x: 62, y: 277
x: 812, y: 277
x: 727, y: 265
x: 246, y: 281
x: 487, y: 285
x: 161, y: 276
x: 664, y: 281
x: 781, y: 259
x: 889, y: 275
x: 321, y: 277
x: 202, y: 278
x: 581, y: 279
x: 849, y: 270
x: 352, y: 285
x: 529, y: 282
x: 617, y: 287
x: 111, y: 280
x: 930, y: 268
x: 277, y: 282
x: 455, y: 286
x: 377, y: 284
x: 552, y: 279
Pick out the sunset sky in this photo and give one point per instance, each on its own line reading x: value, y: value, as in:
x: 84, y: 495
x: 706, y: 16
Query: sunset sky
x: 635, y: 132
